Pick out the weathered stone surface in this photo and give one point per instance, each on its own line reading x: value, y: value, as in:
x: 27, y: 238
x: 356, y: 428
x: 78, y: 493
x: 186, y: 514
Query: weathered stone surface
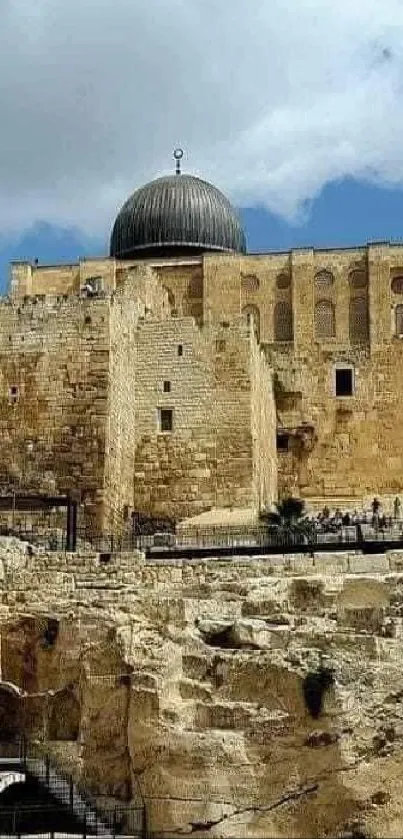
x: 224, y: 740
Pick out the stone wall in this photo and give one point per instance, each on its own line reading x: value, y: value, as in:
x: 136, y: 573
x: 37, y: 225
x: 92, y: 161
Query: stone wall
x: 190, y: 680
x: 338, y: 447
x: 114, y: 354
x: 53, y: 395
x: 33, y: 280
x: 213, y: 390
x: 264, y: 424
x: 136, y: 300
x: 314, y: 311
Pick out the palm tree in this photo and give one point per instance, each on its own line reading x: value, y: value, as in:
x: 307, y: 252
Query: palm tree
x: 289, y: 522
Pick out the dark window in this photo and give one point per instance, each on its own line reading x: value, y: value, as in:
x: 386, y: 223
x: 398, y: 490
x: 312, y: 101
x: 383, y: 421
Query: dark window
x: 249, y: 282
x: 323, y: 279
x: 283, y: 442
x: 325, y: 323
x: 220, y: 346
x: 283, y: 324
x: 283, y: 281
x: 167, y: 387
x: 358, y: 320
x: 13, y: 393
x: 87, y: 319
x: 399, y: 319
x: 180, y: 349
x: 397, y: 285
x: 344, y: 382
x: 166, y: 419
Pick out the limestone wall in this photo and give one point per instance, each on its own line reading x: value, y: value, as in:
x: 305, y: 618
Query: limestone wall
x: 355, y: 443
x: 29, y: 279
x: 137, y: 299
x: 53, y: 395
x: 346, y: 447
x: 264, y: 424
x: 213, y: 391
x: 191, y: 680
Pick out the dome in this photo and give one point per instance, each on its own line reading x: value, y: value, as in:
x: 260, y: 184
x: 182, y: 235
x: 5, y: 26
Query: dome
x: 176, y: 214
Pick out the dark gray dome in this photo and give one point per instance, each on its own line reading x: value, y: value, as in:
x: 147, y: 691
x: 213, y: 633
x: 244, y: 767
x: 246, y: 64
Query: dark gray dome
x: 176, y: 214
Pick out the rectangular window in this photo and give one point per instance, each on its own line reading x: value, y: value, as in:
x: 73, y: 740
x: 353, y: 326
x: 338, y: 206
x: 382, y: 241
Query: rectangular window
x: 283, y: 442
x: 165, y: 419
x: 167, y: 387
x: 13, y: 393
x: 344, y: 381
x: 180, y: 349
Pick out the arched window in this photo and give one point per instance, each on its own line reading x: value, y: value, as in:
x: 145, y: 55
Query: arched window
x: 249, y: 283
x: 399, y: 319
x: 325, y: 321
x: 283, y: 326
x: 397, y: 285
x: 253, y: 314
x: 358, y: 320
x: 323, y: 279
x: 283, y: 281
x: 358, y: 279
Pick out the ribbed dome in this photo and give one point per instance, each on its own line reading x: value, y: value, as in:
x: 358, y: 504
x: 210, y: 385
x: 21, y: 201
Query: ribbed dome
x: 174, y: 214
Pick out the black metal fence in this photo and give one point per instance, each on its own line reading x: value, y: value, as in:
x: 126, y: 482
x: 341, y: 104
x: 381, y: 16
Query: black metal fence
x: 260, y: 540
x: 255, y: 539
x: 70, y: 803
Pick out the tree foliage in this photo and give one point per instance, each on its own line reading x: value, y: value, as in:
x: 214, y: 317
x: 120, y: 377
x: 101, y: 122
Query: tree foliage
x: 288, y: 520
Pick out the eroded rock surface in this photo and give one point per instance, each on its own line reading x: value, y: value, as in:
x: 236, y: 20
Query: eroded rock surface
x: 248, y: 698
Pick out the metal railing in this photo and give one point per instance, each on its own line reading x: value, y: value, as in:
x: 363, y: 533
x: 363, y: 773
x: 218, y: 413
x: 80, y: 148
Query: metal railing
x: 256, y: 538
x: 90, y: 816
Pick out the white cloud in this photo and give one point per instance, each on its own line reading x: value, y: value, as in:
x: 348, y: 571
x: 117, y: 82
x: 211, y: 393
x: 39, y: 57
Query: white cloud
x: 270, y: 98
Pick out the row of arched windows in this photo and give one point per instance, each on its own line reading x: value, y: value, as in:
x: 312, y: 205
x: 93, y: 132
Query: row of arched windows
x: 325, y: 319
x: 325, y: 306
x: 283, y: 320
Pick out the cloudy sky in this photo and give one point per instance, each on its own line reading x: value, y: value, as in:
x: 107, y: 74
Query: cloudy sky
x: 281, y: 103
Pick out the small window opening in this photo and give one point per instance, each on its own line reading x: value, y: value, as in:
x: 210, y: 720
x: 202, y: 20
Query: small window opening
x: 167, y: 387
x: 93, y: 286
x: 283, y: 442
x: 166, y: 419
x: 220, y: 346
x: 87, y: 319
x: 14, y: 393
x: 50, y: 633
x: 344, y: 382
x: 180, y: 349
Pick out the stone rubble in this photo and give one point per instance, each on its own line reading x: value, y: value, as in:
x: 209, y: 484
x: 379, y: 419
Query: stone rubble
x: 187, y: 683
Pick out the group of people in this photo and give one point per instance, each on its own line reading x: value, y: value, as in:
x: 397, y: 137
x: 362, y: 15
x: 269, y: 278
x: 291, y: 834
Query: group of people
x: 327, y: 522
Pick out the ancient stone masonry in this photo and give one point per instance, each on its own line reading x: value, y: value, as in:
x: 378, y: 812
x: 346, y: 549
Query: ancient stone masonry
x: 214, y: 454
x: 257, y: 697
x: 90, y: 379
x: 329, y: 323
x: 325, y: 317
x: 54, y: 385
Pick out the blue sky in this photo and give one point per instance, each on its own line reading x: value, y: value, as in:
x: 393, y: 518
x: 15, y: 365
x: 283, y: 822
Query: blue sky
x: 293, y: 109
x: 346, y: 212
